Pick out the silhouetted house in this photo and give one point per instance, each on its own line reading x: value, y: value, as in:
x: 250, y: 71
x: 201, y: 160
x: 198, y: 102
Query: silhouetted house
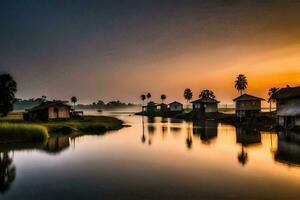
x: 175, y: 107
x: 205, y: 105
x: 247, y: 105
x: 49, y: 110
x: 150, y: 107
x: 288, y: 106
x: 163, y: 107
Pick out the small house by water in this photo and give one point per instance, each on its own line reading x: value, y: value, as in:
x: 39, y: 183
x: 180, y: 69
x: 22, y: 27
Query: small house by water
x: 247, y: 105
x: 163, y: 107
x: 49, y: 110
x: 288, y: 106
x: 150, y: 107
x: 205, y: 105
x: 175, y: 106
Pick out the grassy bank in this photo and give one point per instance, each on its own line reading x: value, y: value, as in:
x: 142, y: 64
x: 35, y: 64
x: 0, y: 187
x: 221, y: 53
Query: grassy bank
x: 86, y: 125
x: 16, y: 133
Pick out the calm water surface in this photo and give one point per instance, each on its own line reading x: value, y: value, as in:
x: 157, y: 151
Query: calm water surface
x: 157, y: 158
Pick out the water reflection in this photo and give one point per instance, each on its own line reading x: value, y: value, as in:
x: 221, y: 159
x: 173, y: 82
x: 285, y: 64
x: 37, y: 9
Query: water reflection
x: 205, y: 130
x: 7, y: 171
x: 246, y: 136
x: 57, y: 144
x: 288, y: 148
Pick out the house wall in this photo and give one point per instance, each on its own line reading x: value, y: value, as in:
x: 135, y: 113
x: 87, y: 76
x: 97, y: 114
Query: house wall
x: 63, y: 112
x: 297, y: 121
x: 176, y: 107
x: 211, y: 108
x: 281, y: 121
x: 248, y: 105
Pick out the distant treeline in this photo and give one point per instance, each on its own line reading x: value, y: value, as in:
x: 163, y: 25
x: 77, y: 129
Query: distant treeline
x: 105, y: 106
x: 22, y: 104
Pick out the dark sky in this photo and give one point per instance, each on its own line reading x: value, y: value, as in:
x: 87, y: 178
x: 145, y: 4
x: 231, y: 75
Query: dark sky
x: 119, y: 49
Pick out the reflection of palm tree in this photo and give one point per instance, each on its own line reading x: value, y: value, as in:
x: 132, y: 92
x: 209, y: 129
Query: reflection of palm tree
x: 143, y: 139
x: 189, y: 139
x: 243, y: 156
x: 7, y: 171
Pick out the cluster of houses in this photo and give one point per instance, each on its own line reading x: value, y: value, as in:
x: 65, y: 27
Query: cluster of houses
x: 287, y: 104
x: 246, y: 106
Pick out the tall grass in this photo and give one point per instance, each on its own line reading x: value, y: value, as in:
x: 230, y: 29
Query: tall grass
x: 22, y: 133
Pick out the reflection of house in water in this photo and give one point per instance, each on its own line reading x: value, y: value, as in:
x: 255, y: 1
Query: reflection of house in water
x: 57, y: 144
x: 205, y: 129
x: 288, y: 148
x: 247, y: 135
x: 150, y: 119
x: 7, y: 171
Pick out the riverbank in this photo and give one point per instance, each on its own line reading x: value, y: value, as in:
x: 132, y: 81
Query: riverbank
x: 73, y: 127
x: 265, y: 121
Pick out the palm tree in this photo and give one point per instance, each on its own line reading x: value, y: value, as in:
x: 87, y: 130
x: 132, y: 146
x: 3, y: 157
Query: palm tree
x: 241, y: 83
x: 271, y: 92
x: 188, y: 95
x: 8, y: 88
x: 207, y: 94
x: 163, y: 97
x: 74, y: 100
x: 143, y: 97
x: 148, y: 96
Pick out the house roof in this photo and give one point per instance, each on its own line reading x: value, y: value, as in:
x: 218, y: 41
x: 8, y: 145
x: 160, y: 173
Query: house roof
x: 206, y: 100
x: 48, y: 104
x: 286, y: 93
x: 175, y: 102
x: 248, y: 97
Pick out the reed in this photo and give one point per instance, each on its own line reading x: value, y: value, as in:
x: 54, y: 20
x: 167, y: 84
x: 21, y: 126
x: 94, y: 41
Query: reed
x: 10, y: 132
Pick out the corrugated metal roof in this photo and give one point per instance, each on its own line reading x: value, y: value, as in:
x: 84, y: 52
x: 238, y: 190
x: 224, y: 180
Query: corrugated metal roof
x: 206, y: 100
x: 175, y: 102
x: 247, y: 97
x: 285, y: 93
x: 48, y: 104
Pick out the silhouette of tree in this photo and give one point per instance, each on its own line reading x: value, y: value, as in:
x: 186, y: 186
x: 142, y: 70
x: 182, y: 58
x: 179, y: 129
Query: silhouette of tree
x: 143, y: 97
x: 8, y: 88
x: 241, y: 83
x: 7, y: 172
x: 163, y: 97
x: 74, y: 100
x: 207, y: 94
x: 188, y: 94
x: 272, y: 91
x: 243, y: 157
x: 148, y: 96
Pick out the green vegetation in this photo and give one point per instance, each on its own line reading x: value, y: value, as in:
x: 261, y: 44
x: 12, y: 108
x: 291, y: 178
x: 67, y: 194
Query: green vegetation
x: 86, y: 125
x: 14, y: 133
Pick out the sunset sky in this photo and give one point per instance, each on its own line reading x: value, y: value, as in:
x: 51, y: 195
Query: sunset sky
x: 121, y: 49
